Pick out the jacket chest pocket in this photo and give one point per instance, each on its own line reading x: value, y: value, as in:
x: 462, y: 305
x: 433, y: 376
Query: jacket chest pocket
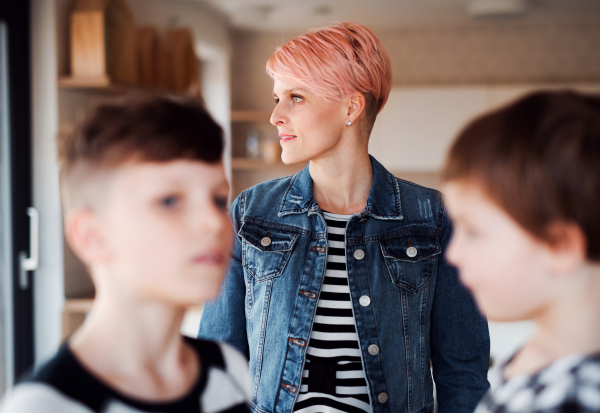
x: 410, y: 260
x: 265, y: 251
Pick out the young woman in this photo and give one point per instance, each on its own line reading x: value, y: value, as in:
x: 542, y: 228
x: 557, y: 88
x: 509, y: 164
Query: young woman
x: 338, y: 289
x: 522, y: 187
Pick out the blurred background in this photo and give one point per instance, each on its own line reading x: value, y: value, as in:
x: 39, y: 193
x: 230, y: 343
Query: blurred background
x: 451, y: 60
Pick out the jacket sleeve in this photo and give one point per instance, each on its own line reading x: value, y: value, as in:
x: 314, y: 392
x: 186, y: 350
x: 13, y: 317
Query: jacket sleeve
x: 460, y: 341
x: 224, y: 318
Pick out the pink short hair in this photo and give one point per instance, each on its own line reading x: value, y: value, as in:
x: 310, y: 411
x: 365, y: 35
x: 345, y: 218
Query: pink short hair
x: 332, y: 62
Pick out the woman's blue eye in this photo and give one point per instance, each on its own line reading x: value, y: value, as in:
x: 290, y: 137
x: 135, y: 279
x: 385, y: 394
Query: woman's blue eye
x: 170, y: 201
x: 297, y: 99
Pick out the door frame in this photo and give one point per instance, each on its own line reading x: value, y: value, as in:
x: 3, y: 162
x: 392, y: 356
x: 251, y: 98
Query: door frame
x: 16, y: 16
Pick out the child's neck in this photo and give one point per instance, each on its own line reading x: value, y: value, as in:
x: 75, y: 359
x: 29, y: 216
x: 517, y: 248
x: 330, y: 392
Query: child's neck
x: 136, y: 348
x: 569, y: 324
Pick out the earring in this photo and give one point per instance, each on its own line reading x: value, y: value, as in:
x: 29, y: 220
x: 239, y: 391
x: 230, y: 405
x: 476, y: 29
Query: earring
x: 348, y: 123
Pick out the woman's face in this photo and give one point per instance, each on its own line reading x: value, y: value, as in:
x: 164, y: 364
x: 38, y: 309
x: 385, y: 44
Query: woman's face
x: 309, y: 127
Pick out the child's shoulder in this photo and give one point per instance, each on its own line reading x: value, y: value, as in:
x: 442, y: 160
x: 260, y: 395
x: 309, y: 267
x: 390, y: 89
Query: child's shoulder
x: 225, y: 372
x: 40, y: 397
x: 49, y: 389
x: 571, y: 383
x: 64, y: 385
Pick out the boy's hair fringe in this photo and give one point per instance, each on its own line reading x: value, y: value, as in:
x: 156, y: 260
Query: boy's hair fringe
x: 145, y: 127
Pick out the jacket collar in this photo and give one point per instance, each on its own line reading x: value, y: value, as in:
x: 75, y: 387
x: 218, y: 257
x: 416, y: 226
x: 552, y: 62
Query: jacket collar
x: 383, y: 202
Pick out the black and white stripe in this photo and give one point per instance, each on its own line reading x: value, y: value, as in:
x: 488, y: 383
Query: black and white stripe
x: 333, y: 350
x: 66, y: 386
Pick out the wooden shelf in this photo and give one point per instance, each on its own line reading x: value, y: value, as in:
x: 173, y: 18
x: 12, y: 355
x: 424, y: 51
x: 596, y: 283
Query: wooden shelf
x: 242, y: 164
x: 250, y: 116
x: 103, y: 84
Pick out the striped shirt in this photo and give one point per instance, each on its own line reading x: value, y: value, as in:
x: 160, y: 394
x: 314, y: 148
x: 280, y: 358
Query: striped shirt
x: 333, y: 379
x: 64, y: 385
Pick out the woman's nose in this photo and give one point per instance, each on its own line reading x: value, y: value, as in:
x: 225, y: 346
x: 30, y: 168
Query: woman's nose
x: 277, y: 117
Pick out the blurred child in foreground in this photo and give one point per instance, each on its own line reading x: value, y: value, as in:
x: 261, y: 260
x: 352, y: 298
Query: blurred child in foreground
x: 145, y: 208
x: 522, y: 185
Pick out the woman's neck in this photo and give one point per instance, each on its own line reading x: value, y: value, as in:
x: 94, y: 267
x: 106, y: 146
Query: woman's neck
x: 136, y: 348
x: 341, y: 183
x: 567, y: 325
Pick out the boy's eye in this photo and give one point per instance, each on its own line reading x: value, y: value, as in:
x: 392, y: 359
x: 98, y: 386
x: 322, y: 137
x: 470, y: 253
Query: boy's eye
x: 171, y: 201
x: 221, y: 203
x: 276, y: 100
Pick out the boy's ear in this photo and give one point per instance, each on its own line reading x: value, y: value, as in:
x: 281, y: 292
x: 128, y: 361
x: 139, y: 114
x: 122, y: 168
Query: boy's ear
x: 568, y: 246
x: 86, y: 237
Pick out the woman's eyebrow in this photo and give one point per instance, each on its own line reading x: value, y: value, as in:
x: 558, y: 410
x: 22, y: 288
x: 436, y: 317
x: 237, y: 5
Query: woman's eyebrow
x: 289, y: 91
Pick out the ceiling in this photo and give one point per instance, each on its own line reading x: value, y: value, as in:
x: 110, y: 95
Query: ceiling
x: 294, y: 15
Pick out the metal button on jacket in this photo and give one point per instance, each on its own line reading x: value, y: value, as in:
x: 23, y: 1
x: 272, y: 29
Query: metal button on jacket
x: 359, y: 254
x: 382, y: 397
x: 364, y: 300
x: 411, y: 252
x: 265, y: 242
x: 373, y: 349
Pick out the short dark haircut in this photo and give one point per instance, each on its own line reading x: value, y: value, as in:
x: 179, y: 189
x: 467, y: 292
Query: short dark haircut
x: 156, y: 128
x: 538, y: 159
x: 143, y: 127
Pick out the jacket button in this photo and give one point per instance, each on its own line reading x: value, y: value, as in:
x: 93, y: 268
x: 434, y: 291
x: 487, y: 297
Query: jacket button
x: 299, y: 342
x: 411, y: 252
x: 265, y: 242
x: 308, y: 294
x: 289, y: 388
x: 359, y: 254
x: 364, y: 300
x: 373, y: 349
x: 382, y: 397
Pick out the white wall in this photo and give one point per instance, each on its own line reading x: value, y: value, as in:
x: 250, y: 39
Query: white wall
x: 415, y: 128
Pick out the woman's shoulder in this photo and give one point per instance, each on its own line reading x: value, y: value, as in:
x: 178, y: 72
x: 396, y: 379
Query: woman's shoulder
x: 409, y: 186
x: 571, y: 383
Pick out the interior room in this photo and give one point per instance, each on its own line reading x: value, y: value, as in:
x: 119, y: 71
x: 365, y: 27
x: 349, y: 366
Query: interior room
x: 451, y: 61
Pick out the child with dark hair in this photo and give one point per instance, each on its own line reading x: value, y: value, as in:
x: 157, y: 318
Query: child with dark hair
x: 145, y: 208
x: 521, y: 185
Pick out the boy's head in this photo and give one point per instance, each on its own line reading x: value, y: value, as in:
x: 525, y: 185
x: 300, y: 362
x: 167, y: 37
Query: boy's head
x: 521, y: 185
x: 145, y: 198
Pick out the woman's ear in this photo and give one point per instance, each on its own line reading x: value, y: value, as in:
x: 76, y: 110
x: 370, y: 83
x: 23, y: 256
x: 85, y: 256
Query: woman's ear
x: 356, y: 106
x: 568, y: 246
x: 86, y: 236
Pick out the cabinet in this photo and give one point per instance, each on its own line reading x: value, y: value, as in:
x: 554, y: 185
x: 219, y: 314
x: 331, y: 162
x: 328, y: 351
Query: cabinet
x: 246, y: 170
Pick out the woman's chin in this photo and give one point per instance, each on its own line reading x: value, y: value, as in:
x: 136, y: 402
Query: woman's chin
x: 290, y: 159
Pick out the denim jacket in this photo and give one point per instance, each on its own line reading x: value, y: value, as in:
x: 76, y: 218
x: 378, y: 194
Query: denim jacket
x: 418, y: 315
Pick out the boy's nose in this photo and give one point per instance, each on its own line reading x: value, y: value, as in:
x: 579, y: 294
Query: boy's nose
x: 452, y: 251
x: 211, y: 221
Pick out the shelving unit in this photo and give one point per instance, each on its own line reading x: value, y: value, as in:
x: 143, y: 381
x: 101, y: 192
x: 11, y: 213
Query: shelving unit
x: 247, y: 172
x: 250, y: 116
x: 103, y: 84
